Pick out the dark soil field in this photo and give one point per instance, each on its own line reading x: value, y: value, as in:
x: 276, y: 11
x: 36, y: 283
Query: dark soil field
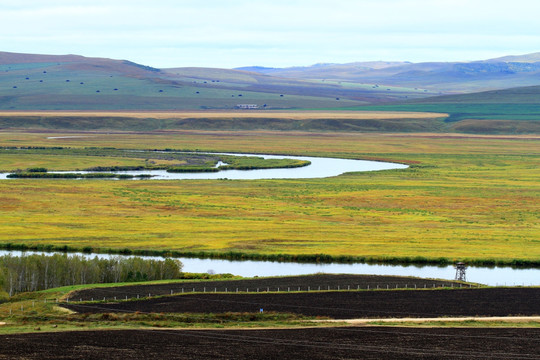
x: 309, y: 343
x: 343, y: 304
x: 292, y: 283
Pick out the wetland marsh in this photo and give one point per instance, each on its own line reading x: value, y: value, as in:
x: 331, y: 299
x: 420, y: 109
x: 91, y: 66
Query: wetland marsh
x: 463, y: 197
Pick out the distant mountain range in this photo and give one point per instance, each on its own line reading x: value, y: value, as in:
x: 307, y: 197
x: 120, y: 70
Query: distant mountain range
x: 73, y: 82
x: 458, y: 77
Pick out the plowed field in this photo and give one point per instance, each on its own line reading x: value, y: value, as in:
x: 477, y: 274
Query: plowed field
x: 311, y: 343
x: 283, y: 284
x: 343, y: 304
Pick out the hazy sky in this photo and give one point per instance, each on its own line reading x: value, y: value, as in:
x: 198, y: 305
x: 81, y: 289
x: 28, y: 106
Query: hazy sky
x: 232, y: 33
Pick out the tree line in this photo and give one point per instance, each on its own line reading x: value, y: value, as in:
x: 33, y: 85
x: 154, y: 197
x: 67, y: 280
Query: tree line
x: 40, y: 271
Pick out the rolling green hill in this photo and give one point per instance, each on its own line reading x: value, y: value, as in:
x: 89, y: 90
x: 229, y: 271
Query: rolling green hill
x: 70, y: 82
x: 515, y: 110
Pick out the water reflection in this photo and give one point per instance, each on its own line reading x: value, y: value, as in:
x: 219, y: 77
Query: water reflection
x: 489, y: 276
x: 319, y: 168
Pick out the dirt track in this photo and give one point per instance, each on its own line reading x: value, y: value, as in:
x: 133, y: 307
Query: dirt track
x: 311, y: 343
x: 344, y: 305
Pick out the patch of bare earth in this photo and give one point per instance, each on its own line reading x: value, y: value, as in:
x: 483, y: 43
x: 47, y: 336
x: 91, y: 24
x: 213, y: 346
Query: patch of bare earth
x: 308, y: 343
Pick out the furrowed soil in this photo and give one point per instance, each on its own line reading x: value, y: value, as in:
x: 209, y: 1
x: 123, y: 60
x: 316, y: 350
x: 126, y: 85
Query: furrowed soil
x: 293, y: 283
x: 308, y: 343
x: 342, y: 304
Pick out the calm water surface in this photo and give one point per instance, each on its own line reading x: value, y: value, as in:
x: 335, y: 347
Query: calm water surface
x: 488, y: 276
x: 319, y: 168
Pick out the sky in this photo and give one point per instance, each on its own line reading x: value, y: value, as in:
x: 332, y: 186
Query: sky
x: 276, y: 33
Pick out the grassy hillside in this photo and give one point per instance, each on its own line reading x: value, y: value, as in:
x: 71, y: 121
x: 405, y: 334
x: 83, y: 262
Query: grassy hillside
x: 46, y: 82
x: 515, y: 110
x: 226, y: 120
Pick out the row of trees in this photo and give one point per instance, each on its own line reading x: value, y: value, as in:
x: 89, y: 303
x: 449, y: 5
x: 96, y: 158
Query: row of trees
x: 39, y: 272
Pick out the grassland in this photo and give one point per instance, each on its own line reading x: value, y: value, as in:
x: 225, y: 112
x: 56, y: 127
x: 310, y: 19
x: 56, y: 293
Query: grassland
x: 98, y: 84
x: 472, y: 110
x: 509, y: 111
x: 106, y: 160
x: 226, y: 120
x: 464, y: 197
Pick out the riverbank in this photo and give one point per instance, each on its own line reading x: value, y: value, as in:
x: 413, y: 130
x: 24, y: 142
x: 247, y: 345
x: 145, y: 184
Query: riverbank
x: 492, y: 276
x: 464, y: 197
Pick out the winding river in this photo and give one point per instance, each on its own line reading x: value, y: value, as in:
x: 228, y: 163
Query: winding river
x: 319, y: 168
x: 489, y: 276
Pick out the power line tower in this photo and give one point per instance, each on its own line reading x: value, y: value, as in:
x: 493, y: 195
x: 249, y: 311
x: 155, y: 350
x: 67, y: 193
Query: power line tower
x: 460, y: 271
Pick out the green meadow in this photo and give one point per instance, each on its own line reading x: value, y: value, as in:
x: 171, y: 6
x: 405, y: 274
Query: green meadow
x: 472, y: 198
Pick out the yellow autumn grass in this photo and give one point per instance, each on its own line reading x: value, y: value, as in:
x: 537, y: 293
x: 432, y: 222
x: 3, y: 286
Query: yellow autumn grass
x: 293, y: 115
x: 465, y: 197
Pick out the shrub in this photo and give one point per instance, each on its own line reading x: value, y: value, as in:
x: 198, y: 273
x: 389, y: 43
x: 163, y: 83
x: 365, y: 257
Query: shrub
x: 4, y: 296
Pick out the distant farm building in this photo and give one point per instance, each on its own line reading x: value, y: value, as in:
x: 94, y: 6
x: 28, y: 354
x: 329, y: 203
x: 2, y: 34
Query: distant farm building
x: 247, y: 106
